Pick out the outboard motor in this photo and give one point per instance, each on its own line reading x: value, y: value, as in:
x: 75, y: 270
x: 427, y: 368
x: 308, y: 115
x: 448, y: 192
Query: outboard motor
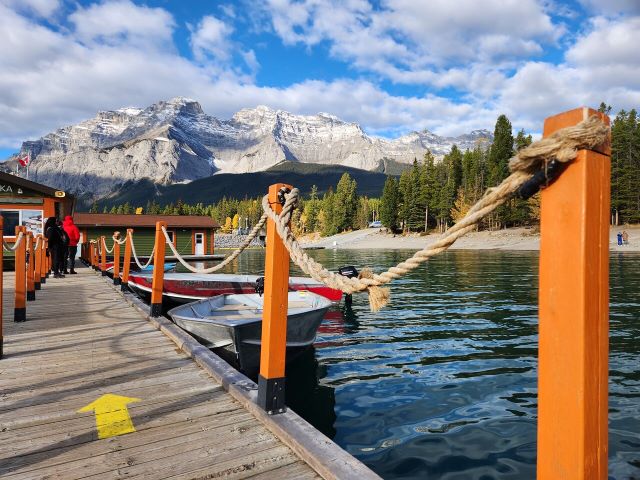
x: 259, y: 287
x: 349, y: 272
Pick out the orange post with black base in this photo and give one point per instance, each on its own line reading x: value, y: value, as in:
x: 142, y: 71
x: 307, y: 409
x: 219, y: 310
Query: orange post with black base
x: 116, y: 263
x: 103, y: 261
x: 1, y: 285
x: 31, y: 289
x: 158, y: 271
x: 43, y: 261
x: 126, y: 262
x: 37, y: 274
x: 20, y: 308
x: 271, y: 381
x: 574, y: 314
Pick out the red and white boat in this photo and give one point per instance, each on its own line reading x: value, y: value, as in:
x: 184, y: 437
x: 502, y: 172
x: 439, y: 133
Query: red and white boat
x: 188, y: 287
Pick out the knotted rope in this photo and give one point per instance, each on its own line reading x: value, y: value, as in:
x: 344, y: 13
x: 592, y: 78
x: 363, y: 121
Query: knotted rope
x: 227, y: 260
x: 116, y: 238
x: 561, y: 146
x: 16, y: 244
x: 135, y: 256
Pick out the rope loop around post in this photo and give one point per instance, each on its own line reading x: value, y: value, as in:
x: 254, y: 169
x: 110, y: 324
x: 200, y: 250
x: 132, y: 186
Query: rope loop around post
x: 562, y: 147
x: 16, y: 244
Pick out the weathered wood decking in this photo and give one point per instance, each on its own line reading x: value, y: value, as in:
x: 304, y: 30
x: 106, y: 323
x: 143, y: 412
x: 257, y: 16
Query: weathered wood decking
x: 81, y: 341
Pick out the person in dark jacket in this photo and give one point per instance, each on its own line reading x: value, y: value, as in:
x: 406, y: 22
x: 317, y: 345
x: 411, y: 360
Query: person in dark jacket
x: 54, y: 235
x: 64, y: 252
x: 74, y: 237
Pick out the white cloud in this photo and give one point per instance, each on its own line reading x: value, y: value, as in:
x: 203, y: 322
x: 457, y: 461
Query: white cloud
x: 612, y: 7
x: 211, y: 39
x: 611, y: 42
x: 43, y: 8
x: 123, y: 23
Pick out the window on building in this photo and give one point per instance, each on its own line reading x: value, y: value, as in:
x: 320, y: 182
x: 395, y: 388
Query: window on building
x: 10, y: 219
x: 172, y: 236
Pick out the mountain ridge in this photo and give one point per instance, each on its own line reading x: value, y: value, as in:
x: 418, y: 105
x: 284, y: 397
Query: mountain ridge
x: 175, y: 141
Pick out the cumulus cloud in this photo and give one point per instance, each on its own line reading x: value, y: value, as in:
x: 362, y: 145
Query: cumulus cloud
x: 211, y: 39
x: 612, y: 7
x: 43, y: 8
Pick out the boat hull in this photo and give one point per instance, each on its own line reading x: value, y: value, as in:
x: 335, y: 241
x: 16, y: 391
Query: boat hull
x: 185, y: 287
x: 239, y: 342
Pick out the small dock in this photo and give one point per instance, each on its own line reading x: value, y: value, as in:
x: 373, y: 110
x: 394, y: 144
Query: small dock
x: 86, y: 364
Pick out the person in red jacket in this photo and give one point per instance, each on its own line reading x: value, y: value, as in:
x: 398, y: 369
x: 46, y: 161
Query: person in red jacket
x: 74, y: 237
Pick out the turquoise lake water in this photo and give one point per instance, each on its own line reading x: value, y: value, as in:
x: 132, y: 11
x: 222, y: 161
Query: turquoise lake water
x: 441, y: 384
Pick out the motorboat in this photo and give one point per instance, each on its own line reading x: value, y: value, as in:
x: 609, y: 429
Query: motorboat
x: 149, y: 268
x: 188, y: 287
x: 231, y: 325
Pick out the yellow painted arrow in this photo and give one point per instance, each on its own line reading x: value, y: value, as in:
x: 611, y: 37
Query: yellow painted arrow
x: 112, y: 415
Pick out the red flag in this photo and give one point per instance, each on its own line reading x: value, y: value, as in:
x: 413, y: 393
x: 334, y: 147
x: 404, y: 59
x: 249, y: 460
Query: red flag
x: 24, y: 161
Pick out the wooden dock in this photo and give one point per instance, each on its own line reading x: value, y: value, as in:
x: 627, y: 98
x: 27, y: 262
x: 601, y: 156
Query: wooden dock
x: 82, y: 341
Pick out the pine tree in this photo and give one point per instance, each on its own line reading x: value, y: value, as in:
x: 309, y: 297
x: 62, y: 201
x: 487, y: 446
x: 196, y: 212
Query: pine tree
x: 389, y: 204
x: 500, y: 152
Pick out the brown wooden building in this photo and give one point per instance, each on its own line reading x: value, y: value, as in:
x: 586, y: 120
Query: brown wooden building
x: 27, y: 203
x: 192, y: 235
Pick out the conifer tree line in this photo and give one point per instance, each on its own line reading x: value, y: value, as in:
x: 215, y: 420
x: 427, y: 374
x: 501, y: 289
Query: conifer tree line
x: 431, y: 194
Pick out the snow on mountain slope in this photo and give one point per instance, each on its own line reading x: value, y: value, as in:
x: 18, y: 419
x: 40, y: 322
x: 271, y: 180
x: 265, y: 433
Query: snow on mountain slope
x: 175, y: 141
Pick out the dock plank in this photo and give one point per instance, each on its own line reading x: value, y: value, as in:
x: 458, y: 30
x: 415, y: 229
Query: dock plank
x: 81, y: 341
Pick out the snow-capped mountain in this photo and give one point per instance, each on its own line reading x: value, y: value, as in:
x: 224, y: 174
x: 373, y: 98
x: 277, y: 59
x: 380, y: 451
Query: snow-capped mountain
x: 175, y: 141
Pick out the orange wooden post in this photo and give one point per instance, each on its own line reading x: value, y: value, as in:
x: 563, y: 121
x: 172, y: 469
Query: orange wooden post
x: 126, y: 262
x: 116, y: 263
x: 1, y: 285
x: 20, y: 309
x: 271, y: 381
x: 574, y: 314
x: 37, y: 274
x: 31, y: 289
x: 158, y: 271
x: 44, y: 272
x: 103, y: 250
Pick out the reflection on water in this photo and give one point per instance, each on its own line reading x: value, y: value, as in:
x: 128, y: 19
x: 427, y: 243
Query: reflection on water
x: 442, y: 383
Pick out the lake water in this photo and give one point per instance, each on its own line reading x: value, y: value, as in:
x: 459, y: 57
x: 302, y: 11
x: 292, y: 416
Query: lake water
x: 441, y: 384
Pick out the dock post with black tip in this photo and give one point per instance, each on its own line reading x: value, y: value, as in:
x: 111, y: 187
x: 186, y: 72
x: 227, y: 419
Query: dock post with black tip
x: 271, y: 381
x: 158, y: 271
x: 574, y: 313
x: 1, y: 284
x: 126, y: 262
x: 103, y: 262
x: 116, y: 261
x: 31, y: 289
x: 20, y: 308
x: 37, y: 274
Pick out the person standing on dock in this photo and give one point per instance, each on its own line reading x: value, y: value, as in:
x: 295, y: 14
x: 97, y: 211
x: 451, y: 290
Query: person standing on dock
x: 619, y: 238
x: 54, y: 236
x: 625, y: 237
x: 72, y: 250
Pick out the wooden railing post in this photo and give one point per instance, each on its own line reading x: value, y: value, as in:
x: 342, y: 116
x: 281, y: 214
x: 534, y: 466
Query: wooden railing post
x: 116, y: 263
x: 37, y: 274
x: 103, y: 249
x: 271, y: 381
x: 45, y: 249
x: 126, y: 262
x: 158, y: 271
x: 574, y: 314
x: 31, y: 289
x: 1, y: 285
x: 94, y: 255
x: 20, y: 308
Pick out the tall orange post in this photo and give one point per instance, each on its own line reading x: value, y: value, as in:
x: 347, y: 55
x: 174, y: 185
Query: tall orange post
x: 126, y: 262
x: 20, y: 309
x: 574, y: 314
x: 37, y: 274
x: 103, y: 262
x: 116, y: 263
x: 1, y: 285
x: 158, y: 271
x: 271, y: 381
x: 31, y: 265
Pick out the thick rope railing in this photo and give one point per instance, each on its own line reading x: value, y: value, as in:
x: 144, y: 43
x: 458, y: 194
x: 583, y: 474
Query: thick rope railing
x: 104, y: 242
x: 135, y: 256
x: 16, y: 244
x: 227, y: 260
x: 116, y: 238
x: 562, y: 147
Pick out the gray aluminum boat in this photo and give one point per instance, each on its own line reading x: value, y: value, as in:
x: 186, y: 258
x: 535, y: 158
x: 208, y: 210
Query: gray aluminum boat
x: 232, y: 324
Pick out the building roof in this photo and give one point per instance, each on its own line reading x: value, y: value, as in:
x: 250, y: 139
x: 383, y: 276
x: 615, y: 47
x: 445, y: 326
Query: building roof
x: 28, y: 184
x: 132, y: 221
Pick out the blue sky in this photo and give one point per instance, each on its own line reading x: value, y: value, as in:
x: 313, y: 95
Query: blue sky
x: 392, y: 66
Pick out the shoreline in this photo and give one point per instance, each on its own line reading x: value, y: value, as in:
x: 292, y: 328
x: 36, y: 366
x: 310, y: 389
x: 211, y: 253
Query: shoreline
x: 512, y: 239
